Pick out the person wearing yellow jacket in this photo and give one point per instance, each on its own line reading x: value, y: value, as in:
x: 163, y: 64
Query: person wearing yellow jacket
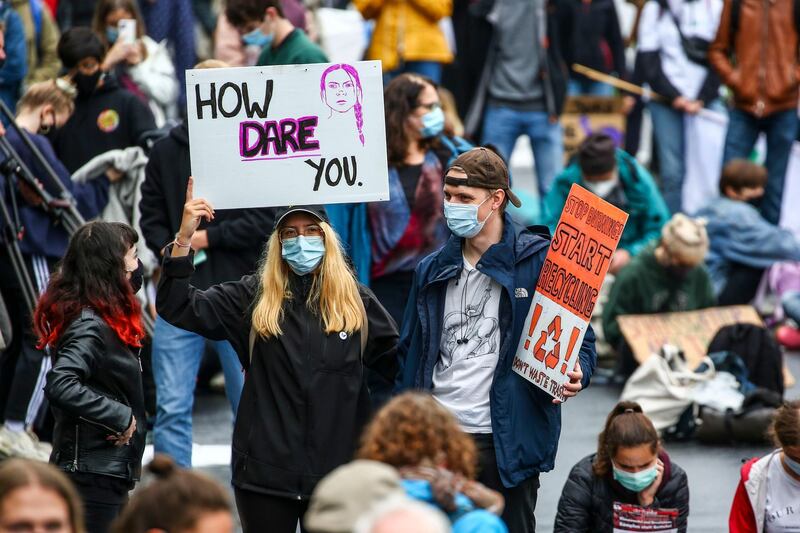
x: 407, y: 37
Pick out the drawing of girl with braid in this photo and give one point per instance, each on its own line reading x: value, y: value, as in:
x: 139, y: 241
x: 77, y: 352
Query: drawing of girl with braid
x: 340, y: 90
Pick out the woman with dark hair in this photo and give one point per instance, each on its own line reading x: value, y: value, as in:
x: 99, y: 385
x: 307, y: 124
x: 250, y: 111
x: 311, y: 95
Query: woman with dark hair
x: 630, y: 467
x: 89, y: 318
x: 437, y: 460
x: 35, y: 496
x: 771, y: 484
x: 143, y: 66
x: 178, y: 501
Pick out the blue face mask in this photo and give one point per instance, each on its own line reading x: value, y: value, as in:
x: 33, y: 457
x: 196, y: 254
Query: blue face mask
x: 432, y: 123
x: 257, y: 38
x: 636, y: 481
x: 111, y: 34
x: 303, y: 254
x: 462, y: 219
x: 793, y: 465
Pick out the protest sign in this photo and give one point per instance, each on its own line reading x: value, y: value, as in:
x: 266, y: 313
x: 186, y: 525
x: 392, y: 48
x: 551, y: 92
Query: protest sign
x: 629, y: 518
x: 588, y: 114
x: 691, y: 331
x: 295, y: 134
x: 576, y: 264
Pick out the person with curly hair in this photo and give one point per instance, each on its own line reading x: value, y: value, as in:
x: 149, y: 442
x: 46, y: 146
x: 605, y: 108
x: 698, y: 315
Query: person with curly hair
x: 437, y: 460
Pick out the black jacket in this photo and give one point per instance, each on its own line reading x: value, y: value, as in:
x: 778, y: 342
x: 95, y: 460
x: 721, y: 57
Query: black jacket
x: 586, y: 504
x: 592, y: 35
x: 95, y: 387
x: 236, y: 237
x: 110, y: 119
x: 305, y: 399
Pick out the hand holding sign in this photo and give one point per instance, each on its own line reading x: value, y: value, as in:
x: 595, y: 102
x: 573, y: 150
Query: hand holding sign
x: 574, y: 385
x: 194, y: 210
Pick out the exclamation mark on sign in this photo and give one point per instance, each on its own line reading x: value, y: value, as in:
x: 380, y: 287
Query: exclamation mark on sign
x: 537, y: 312
x: 573, y: 338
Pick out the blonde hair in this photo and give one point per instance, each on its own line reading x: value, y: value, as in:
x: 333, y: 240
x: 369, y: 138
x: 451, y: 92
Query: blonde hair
x: 48, y: 92
x: 334, y: 292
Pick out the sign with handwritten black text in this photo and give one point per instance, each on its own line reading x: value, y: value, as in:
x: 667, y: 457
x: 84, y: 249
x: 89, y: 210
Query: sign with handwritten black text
x: 284, y: 135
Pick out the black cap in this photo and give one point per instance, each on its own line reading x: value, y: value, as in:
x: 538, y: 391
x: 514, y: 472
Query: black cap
x: 597, y: 154
x: 317, y: 211
x: 484, y: 169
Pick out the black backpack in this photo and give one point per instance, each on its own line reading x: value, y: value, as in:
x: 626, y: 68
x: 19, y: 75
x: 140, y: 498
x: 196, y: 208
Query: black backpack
x: 759, y: 351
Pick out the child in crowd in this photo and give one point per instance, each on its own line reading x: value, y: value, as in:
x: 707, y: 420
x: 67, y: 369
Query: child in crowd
x: 630, y: 467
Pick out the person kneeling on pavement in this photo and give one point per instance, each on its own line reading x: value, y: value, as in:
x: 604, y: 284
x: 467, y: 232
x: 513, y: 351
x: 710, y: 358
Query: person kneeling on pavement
x: 630, y: 467
x: 620, y: 180
x: 667, y: 276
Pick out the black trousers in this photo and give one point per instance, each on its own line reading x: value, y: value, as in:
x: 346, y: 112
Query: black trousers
x: 261, y: 512
x: 520, y: 500
x: 742, y: 285
x: 103, y: 499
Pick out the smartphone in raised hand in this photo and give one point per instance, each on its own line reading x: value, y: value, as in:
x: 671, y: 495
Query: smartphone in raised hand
x: 127, y: 31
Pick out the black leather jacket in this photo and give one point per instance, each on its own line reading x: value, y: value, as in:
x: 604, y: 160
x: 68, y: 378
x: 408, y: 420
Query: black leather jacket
x: 95, y: 387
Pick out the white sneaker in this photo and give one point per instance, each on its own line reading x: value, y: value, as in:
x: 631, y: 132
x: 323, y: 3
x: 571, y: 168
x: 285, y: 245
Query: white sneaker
x: 18, y: 444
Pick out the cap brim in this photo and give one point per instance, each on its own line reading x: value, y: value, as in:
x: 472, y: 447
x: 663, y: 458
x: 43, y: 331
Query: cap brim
x: 513, y: 198
x: 297, y: 210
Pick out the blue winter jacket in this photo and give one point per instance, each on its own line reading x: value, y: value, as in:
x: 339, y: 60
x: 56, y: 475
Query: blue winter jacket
x: 525, y: 423
x: 13, y: 71
x: 737, y: 233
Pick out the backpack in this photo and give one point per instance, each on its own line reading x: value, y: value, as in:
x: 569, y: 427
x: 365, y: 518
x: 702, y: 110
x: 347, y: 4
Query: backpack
x: 758, y: 349
x: 736, y: 13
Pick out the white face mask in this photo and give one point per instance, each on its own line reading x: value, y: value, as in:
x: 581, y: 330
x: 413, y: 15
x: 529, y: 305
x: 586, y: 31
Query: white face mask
x: 602, y: 188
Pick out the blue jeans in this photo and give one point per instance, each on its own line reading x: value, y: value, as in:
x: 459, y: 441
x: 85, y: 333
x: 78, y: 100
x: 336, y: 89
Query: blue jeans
x: 429, y: 69
x: 176, y: 359
x: 669, y: 132
x: 502, y: 126
x: 584, y: 87
x: 780, y: 128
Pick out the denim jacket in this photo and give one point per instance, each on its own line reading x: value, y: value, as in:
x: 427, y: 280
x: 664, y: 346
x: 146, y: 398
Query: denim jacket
x: 525, y: 423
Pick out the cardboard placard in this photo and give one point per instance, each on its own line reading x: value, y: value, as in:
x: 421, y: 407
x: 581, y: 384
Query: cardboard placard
x: 587, y: 114
x: 287, y: 135
x: 691, y: 331
x: 580, y: 253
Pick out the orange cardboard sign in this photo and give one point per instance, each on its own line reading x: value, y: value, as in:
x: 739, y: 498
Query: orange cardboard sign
x: 580, y: 253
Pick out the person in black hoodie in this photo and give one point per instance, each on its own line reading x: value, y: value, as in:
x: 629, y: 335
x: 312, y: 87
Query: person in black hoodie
x: 304, y: 329
x: 44, y: 106
x: 594, y: 40
x: 106, y: 116
x: 629, y: 468
x: 90, y: 319
x: 226, y: 249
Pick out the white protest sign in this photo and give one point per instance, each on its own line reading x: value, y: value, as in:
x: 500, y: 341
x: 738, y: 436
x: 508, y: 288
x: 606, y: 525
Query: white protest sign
x: 287, y: 135
x: 580, y: 253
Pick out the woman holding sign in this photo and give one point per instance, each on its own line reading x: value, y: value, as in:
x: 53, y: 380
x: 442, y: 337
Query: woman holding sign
x: 304, y: 330
x: 630, y: 471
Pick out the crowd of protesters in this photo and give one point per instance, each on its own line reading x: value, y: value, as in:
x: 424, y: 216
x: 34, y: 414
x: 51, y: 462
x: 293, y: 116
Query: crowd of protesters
x: 366, y: 349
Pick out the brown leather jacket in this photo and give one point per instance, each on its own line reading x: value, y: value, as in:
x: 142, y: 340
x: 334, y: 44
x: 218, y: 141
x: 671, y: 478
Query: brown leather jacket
x: 761, y: 65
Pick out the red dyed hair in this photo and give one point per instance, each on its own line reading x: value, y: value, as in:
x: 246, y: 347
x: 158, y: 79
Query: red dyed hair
x: 92, y: 275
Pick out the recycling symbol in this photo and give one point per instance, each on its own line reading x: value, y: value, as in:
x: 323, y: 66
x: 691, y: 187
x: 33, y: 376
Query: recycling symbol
x: 552, y: 357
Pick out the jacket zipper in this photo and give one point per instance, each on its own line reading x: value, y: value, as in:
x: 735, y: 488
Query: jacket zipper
x: 114, y: 431
x: 75, y: 459
x: 762, y: 71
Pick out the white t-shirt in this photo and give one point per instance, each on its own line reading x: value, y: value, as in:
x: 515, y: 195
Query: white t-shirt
x: 469, y: 349
x: 658, y: 32
x: 782, y: 512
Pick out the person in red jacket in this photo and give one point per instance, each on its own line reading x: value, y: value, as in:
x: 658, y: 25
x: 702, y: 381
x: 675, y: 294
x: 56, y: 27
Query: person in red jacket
x: 766, y: 500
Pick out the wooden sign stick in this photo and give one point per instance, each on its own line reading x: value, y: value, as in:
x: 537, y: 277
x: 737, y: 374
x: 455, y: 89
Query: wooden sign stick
x: 622, y: 85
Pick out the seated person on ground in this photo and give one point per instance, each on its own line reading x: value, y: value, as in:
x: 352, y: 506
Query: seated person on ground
x: 667, y: 276
x: 630, y: 467
x: 742, y: 243
x: 616, y: 177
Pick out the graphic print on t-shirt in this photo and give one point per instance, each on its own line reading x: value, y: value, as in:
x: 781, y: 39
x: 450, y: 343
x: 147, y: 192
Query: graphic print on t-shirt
x: 469, y: 332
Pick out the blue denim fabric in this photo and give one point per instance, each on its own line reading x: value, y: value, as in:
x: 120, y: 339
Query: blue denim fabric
x: 430, y: 69
x: 176, y: 359
x: 502, y: 126
x: 669, y: 132
x: 780, y: 129
x: 584, y: 87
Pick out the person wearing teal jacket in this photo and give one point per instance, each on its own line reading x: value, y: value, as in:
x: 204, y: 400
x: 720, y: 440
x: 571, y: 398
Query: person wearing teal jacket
x: 619, y: 179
